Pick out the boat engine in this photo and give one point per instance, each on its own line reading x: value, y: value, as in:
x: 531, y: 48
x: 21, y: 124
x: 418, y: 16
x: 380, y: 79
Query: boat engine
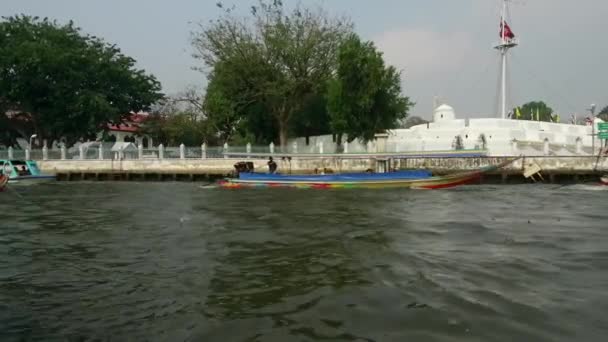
x: 246, y: 167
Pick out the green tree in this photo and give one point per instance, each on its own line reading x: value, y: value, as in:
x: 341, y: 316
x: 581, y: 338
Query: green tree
x: 603, y: 114
x: 227, y: 105
x: 280, y: 58
x: 414, y: 121
x: 365, y: 97
x: 66, y: 83
x: 185, y: 128
x: 155, y: 127
x: 313, y: 119
x: 529, y: 112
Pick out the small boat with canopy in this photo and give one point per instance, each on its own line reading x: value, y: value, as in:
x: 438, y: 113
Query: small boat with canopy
x: 23, y: 171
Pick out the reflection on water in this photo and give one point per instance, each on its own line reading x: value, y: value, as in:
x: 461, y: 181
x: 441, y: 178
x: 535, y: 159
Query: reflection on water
x: 167, y: 261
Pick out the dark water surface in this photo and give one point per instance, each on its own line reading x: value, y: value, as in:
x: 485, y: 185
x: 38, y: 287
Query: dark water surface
x: 174, y: 262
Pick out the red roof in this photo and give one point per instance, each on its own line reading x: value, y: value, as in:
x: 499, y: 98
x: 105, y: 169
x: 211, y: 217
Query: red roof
x: 131, y: 124
x: 123, y: 128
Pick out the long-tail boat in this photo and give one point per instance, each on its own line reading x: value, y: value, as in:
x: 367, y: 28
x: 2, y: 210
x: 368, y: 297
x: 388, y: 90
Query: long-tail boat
x: 400, y: 179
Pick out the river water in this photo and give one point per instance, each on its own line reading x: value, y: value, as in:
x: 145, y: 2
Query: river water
x: 177, y: 262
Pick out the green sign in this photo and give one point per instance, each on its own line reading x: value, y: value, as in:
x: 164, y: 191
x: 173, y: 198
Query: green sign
x: 603, y: 135
x: 602, y: 126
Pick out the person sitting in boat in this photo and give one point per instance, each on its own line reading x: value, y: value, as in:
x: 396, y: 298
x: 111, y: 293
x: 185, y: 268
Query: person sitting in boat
x: 272, y: 166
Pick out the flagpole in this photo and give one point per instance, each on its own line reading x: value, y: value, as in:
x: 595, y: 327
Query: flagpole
x: 504, y: 46
x: 504, y: 60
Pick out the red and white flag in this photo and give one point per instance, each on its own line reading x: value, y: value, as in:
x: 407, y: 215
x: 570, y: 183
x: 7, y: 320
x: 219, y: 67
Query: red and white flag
x: 508, y: 34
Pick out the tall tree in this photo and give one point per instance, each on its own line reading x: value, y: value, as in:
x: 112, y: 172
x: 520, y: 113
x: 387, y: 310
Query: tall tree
x: 365, y: 97
x: 66, y: 83
x: 535, y: 111
x: 228, y: 103
x: 280, y: 57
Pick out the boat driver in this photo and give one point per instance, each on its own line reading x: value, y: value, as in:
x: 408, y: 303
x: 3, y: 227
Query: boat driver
x: 272, y: 166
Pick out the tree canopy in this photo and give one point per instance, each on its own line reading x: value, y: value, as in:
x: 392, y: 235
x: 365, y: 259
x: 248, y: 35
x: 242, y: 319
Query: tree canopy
x: 535, y: 111
x: 365, y: 96
x: 414, y: 121
x: 63, y: 83
x: 281, y: 60
x: 603, y: 114
x: 279, y: 73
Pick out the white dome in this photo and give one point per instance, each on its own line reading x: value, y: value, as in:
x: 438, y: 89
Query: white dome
x: 443, y: 113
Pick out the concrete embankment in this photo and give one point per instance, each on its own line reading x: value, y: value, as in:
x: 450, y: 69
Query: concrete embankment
x: 553, y: 169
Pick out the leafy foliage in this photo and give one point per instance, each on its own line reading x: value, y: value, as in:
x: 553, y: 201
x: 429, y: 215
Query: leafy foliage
x: 603, y: 114
x: 365, y: 97
x: 414, y: 121
x: 67, y: 84
x: 280, y: 60
x: 535, y: 111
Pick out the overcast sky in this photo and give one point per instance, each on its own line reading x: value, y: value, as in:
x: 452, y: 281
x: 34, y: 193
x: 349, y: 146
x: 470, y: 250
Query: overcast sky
x: 444, y: 47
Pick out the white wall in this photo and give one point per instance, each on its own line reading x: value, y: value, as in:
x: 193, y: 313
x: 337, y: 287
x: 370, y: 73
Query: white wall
x: 499, y: 133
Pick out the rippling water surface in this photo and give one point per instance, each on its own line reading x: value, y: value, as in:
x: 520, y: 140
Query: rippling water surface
x: 175, y: 262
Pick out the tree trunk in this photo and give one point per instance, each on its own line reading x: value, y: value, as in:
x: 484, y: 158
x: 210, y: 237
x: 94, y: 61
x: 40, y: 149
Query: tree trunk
x: 339, y: 146
x: 283, y: 130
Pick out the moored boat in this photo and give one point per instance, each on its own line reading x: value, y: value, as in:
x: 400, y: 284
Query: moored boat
x: 23, y: 171
x: 400, y: 179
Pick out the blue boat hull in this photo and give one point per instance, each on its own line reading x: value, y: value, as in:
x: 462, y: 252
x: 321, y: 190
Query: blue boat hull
x: 342, y: 177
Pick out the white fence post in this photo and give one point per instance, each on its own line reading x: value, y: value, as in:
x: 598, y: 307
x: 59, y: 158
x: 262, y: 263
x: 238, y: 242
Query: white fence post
x: 225, y: 150
x: 182, y: 151
x: 140, y: 151
x: 321, y: 147
x: 100, y: 157
x: 10, y: 153
x: 63, y: 152
x: 27, y: 153
x: 204, y: 151
x: 45, y: 152
x: 346, y: 147
x: 271, y: 148
x: 294, y: 148
x: 248, y: 147
x: 161, y: 152
x: 369, y: 146
x: 81, y: 152
x: 546, y: 147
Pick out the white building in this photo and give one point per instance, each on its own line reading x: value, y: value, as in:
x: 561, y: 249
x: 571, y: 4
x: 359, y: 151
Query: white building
x: 498, y: 137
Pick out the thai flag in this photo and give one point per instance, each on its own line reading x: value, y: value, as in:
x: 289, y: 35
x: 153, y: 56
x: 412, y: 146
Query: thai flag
x: 507, y: 34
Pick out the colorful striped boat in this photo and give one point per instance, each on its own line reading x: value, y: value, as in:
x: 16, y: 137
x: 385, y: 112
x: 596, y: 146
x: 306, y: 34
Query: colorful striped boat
x: 402, y: 179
